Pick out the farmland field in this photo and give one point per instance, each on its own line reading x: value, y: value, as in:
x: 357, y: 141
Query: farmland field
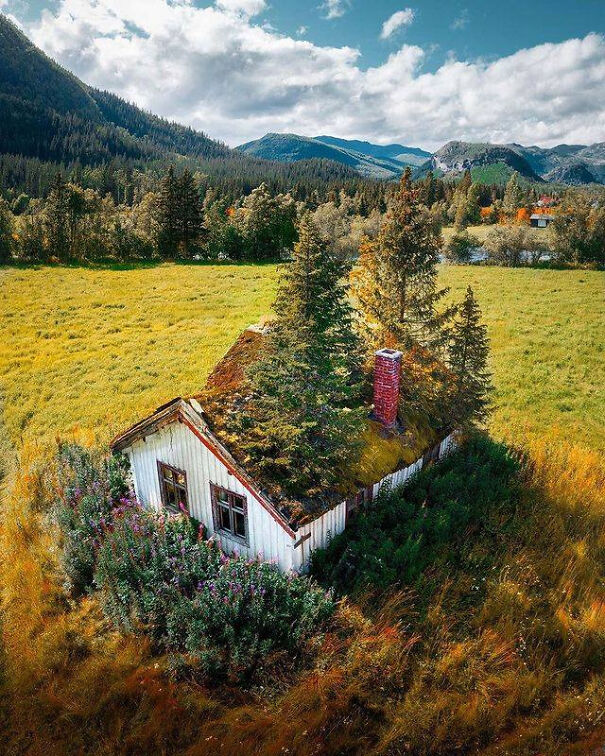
x: 93, y: 349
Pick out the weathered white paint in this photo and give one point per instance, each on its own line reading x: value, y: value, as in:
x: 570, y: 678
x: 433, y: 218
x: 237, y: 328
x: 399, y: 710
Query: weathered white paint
x: 317, y: 534
x: 177, y: 445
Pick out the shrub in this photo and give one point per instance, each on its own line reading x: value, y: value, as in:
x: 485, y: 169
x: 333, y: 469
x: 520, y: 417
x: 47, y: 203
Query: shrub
x: 145, y: 563
x: 459, y: 248
x: 409, y: 528
x: 91, y: 488
x: 225, y: 614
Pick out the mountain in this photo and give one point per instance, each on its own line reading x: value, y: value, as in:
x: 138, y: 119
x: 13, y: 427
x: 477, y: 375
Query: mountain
x: 494, y: 163
x: 406, y: 155
x: 485, y: 161
x: 566, y: 163
x: 49, y: 118
x: 368, y: 160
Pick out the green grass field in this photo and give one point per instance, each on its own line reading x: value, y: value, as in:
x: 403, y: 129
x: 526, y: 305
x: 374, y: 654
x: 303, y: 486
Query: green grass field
x: 94, y: 349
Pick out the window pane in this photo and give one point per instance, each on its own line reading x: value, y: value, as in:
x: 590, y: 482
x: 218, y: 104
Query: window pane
x: 240, y: 524
x: 238, y: 503
x: 171, y: 497
x: 224, y: 519
x: 182, y: 497
x: 180, y: 479
x: 167, y: 473
x: 222, y: 495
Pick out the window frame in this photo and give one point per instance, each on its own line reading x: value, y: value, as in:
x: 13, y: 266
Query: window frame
x: 218, y: 507
x: 177, y: 486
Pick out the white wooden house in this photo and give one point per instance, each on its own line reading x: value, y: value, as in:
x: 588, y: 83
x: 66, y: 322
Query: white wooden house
x: 178, y: 462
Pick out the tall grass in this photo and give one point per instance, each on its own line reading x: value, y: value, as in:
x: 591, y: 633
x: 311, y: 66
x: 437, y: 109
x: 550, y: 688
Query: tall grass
x: 498, y: 661
x: 505, y: 660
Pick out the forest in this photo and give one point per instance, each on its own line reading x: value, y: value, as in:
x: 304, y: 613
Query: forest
x: 183, y: 215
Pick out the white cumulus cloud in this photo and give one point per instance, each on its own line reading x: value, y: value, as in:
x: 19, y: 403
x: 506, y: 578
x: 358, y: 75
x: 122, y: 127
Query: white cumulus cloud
x: 246, y: 7
x: 334, y: 8
x: 396, y: 21
x: 219, y: 70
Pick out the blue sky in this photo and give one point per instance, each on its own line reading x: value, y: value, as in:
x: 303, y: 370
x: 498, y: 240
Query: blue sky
x: 414, y: 72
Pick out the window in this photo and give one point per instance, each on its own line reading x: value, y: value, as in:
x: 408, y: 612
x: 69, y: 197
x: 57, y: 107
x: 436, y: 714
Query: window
x: 230, y: 515
x: 173, y: 487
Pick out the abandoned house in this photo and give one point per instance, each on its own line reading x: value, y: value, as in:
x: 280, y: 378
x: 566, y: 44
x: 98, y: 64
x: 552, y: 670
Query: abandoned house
x: 179, y: 463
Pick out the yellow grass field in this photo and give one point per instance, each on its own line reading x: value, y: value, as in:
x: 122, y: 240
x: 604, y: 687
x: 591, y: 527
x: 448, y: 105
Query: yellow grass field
x: 95, y: 348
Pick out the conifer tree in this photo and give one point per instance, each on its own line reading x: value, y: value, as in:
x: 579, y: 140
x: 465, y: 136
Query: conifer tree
x: 57, y: 220
x: 468, y: 351
x: 6, y: 233
x: 396, y: 281
x: 168, y: 216
x: 513, y: 196
x: 301, y: 426
x: 189, y: 213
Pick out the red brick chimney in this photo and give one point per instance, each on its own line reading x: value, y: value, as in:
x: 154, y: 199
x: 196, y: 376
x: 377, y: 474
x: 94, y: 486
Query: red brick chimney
x: 387, y: 369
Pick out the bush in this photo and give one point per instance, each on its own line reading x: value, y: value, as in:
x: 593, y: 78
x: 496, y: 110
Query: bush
x: 408, y: 529
x: 92, y: 490
x: 225, y: 614
x: 514, y: 246
x: 459, y: 248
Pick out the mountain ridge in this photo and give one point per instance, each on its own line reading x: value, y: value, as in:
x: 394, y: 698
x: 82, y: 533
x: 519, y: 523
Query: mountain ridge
x: 377, y: 162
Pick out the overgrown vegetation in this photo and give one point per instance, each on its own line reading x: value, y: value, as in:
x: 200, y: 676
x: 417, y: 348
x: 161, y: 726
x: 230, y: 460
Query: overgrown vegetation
x: 500, y: 653
x: 157, y: 577
x: 427, y: 523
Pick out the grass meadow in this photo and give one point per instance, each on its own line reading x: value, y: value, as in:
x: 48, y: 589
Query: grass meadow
x: 496, y: 661
x: 93, y: 349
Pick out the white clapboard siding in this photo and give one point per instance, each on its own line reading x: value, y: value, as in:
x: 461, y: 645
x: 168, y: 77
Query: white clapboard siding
x: 317, y: 534
x: 176, y: 445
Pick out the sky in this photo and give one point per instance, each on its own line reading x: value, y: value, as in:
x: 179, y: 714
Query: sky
x: 416, y: 73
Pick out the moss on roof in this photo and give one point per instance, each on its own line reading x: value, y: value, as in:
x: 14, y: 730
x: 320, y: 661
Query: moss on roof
x: 383, y: 451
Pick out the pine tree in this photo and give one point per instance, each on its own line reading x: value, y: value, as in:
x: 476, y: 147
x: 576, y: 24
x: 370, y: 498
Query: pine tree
x: 513, y: 196
x: 468, y: 352
x: 301, y: 427
x: 6, y: 233
x: 189, y: 214
x: 168, y: 216
x: 57, y: 220
x: 396, y: 281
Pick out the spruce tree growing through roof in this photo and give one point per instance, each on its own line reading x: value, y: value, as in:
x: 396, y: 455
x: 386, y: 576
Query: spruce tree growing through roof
x: 396, y: 283
x: 302, y: 424
x: 468, y: 351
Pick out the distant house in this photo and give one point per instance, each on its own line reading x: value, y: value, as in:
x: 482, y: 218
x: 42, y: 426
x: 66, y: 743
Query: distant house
x: 179, y: 463
x: 541, y: 220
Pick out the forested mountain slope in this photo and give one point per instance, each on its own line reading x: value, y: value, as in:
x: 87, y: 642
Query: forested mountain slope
x: 48, y: 117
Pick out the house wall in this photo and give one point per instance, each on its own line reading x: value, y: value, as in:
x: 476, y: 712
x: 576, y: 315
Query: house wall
x: 176, y: 445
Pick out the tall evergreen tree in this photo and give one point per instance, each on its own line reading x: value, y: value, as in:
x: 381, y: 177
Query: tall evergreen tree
x: 468, y: 352
x: 168, y: 216
x: 57, y: 220
x: 301, y: 426
x: 189, y: 214
x: 513, y: 196
x: 396, y: 281
x: 6, y: 233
